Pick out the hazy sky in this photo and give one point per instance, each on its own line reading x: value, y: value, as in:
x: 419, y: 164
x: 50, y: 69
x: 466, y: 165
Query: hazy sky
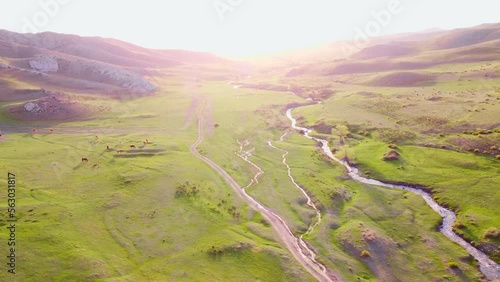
x: 240, y: 27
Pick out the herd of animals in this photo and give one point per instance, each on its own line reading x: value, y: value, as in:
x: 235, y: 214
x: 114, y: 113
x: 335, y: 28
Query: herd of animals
x: 84, y: 159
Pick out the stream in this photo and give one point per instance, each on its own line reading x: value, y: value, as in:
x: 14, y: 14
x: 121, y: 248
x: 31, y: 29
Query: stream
x: 310, y: 203
x: 304, y: 248
x: 487, y: 266
x: 300, y: 251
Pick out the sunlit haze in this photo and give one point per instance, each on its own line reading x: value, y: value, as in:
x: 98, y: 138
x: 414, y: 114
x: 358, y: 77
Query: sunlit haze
x: 238, y: 27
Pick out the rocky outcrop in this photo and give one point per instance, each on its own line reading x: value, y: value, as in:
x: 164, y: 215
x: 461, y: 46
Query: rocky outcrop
x: 32, y: 107
x: 53, y: 106
x: 106, y: 73
x: 44, y: 63
x: 120, y: 76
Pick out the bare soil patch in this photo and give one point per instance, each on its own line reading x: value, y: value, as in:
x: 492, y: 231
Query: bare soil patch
x: 54, y: 106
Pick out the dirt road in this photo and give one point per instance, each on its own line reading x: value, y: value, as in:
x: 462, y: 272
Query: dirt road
x: 302, y: 254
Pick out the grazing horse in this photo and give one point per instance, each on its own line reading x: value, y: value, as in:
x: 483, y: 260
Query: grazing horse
x: 85, y: 159
x: 133, y: 146
x: 120, y: 151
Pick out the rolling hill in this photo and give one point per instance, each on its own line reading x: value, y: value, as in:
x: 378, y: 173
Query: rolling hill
x: 406, y: 52
x: 88, y: 64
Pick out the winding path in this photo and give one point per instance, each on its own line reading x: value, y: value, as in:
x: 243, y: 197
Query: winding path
x: 301, y: 253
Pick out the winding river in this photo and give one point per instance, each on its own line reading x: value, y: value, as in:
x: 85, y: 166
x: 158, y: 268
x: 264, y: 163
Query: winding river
x: 487, y: 266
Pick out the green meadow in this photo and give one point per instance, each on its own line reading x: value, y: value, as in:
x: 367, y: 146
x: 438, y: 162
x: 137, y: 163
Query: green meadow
x: 156, y: 212
x: 122, y: 217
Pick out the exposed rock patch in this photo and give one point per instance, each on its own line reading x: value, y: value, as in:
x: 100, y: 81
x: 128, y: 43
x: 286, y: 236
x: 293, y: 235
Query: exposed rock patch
x: 54, y: 106
x: 31, y: 107
x: 44, y: 63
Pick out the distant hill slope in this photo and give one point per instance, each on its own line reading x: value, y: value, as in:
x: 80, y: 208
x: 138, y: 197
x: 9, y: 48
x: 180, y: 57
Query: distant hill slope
x: 447, y: 40
x: 466, y: 37
x: 403, y: 79
x: 87, y: 63
x: 412, y: 52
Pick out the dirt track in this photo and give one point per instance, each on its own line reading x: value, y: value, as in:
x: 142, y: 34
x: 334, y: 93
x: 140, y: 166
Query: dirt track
x: 301, y: 253
x: 79, y: 130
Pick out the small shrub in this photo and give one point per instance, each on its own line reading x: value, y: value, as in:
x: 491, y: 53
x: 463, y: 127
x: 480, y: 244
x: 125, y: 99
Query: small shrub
x: 215, y: 251
x: 459, y: 225
x: 485, y: 132
x: 476, y: 151
x: 395, y: 136
x: 392, y: 155
x: 493, y: 148
x: 180, y: 191
x: 492, y: 233
x: 365, y: 254
x: 452, y: 265
x: 340, y: 195
x: 393, y: 146
x: 497, y: 157
x: 186, y: 190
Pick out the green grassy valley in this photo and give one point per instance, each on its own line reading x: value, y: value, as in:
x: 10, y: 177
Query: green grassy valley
x: 107, y: 188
